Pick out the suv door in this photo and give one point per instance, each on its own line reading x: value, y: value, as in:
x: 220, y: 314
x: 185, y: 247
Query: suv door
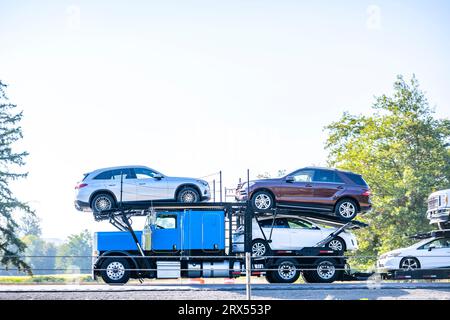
x: 298, y: 190
x: 327, y: 186
x: 118, y: 181
x: 149, y: 188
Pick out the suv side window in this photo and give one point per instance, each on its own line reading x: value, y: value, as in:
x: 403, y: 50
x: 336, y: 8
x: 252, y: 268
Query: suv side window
x: 143, y: 173
x: 115, y: 174
x: 303, y: 175
x: 327, y: 176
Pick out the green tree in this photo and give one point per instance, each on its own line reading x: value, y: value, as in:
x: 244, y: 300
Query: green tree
x: 30, y: 224
x: 402, y: 151
x: 10, y: 160
x: 75, y: 253
x: 40, y: 255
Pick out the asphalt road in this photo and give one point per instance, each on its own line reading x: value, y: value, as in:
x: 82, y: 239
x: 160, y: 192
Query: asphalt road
x: 354, y: 291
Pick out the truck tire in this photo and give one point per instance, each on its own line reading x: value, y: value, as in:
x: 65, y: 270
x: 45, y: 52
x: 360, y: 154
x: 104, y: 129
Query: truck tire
x: 325, y: 271
x: 188, y: 195
x: 286, y: 271
x: 346, y: 209
x: 262, y: 200
x: 115, y: 270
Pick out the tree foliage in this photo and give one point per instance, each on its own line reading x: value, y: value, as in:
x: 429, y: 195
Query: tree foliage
x: 10, y: 160
x: 402, y: 151
x: 75, y: 253
x: 39, y: 254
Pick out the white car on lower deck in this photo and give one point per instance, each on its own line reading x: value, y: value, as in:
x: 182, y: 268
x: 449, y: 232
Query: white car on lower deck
x: 431, y: 253
x: 290, y: 233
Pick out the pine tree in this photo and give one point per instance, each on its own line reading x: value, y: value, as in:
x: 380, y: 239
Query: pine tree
x: 10, y: 131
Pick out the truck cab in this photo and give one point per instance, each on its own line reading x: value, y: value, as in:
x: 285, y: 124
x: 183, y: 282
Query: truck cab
x: 439, y: 207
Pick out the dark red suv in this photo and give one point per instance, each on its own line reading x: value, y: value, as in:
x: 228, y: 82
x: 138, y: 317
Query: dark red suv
x: 323, y: 190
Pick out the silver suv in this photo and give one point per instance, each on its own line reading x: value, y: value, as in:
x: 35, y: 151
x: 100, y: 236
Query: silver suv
x: 136, y: 186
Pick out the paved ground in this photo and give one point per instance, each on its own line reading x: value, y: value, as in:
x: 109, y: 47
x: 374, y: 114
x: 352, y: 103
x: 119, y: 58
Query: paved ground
x: 366, y: 290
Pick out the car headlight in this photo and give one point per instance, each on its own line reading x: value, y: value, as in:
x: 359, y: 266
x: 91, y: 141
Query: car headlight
x: 204, y: 183
x: 244, y: 185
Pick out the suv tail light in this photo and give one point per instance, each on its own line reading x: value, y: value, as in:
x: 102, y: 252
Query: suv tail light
x: 366, y: 193
x: 81, y: 185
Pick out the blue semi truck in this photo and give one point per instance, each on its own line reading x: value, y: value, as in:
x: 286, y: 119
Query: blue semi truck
x: 196, y: 241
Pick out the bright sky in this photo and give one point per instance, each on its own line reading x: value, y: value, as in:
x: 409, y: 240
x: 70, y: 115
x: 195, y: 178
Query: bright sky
x: 194, y: 87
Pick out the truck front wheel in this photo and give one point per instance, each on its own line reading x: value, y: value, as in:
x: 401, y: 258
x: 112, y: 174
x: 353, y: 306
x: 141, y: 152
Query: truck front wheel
x: 115, y: 271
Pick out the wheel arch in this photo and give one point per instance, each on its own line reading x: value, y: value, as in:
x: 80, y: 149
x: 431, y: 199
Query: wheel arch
x: 116, y: 253
x: 102, y: 191
x: 184, y: 185
x: 264, y: 189
x: 349, y: 198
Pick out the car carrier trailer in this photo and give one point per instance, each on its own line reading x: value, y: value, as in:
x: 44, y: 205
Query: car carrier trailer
x: 196, y: 241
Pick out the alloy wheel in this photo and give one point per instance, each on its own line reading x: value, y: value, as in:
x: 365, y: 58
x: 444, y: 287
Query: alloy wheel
x: 409, y: 264
x: 103, y: 203
x: 188, y: 197
x: 347, y: 209
x: 336, y: 245
x: 258, y: 249
x: 263, y: 201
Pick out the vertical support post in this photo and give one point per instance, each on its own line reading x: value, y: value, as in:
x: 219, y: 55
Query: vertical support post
x: 248, y: 275
x: 214, y: 190
x: 121, y: 188
x: 248, y: 219
x: 220, y: 182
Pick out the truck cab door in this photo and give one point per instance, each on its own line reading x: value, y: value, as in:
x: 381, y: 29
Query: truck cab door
x: 166, y: 235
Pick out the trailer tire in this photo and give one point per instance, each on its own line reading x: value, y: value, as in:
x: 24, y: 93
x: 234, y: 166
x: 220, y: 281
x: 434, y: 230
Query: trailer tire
x: 325, y: 271
x: 287, y: 271
x: 269, y: 277
x: 115, y: 270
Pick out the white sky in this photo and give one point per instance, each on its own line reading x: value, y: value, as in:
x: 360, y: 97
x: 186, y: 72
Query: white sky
x: 194, y: 87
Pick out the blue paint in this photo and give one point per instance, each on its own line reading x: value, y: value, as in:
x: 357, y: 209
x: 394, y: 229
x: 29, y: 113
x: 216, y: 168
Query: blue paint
x: 194, y: 230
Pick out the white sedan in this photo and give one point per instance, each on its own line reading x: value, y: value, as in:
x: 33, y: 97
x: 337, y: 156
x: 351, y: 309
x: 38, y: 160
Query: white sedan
x: 431, y: 253
x: 290, y: 233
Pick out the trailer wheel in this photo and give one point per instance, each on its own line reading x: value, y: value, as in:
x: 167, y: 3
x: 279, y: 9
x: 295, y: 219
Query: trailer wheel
x: 260, y: 248
x: 286, y: 271
x: 346, y: 209
x: 325, y: 271
x: 188, y: 195
x: 115, y: 271
x: 262, y: 200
